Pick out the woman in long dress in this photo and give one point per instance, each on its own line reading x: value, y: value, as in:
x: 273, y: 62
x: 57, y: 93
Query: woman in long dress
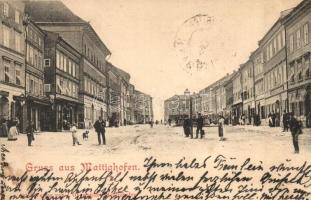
x: 221, y: 123
x: 12, y: 136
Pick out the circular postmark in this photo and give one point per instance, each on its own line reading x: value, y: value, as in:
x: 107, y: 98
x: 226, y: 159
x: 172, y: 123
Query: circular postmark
x: 192, y: 43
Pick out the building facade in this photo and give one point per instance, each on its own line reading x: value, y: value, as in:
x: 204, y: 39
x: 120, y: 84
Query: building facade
x: 12, y: 62
x: 143, y: 112
x: 62, y: 64
x: 275, y: 81
x: 55, y: 17
x: 237, y: 105
x: 257, y: 60
x: 37, y: 102
x: 247, y: 75
x: 297, y: 26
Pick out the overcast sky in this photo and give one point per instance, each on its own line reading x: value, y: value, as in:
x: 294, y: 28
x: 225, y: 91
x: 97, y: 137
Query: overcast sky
x: 141, y: 34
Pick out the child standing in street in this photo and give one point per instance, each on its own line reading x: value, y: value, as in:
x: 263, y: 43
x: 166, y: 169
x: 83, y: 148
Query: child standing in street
x: 73, y: 131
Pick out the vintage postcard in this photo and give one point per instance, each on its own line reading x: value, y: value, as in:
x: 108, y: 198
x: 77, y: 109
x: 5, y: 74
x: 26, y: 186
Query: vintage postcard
x: 155, y: 99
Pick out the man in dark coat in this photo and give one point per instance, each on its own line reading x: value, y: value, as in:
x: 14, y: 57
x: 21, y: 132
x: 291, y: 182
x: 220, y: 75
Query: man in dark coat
x: 285, y: 121
x: 200, y: 121
x: 30, y: 132
x: 100, y: 130
x: 186, y: 126
x: 295, y: 128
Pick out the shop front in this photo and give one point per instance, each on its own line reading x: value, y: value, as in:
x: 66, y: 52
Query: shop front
x: 300, y: 104
x: 37, y: 112
x: 237, y: 111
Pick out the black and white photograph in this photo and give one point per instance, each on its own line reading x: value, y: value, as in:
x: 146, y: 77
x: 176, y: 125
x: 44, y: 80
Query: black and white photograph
x: 155, y: 99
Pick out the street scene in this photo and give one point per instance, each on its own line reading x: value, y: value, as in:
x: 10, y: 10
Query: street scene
x: 147, y: 99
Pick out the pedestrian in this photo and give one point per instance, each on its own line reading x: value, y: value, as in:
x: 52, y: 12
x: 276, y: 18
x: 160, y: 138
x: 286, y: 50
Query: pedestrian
x: 12, y: 136
x: 73, y: 131
x: 100, y: 130
x: 285, y: 121
x: 200, y: 121
x: 30, y: 132
x: 270, y: 119
x: 186, y: 126
x: 273, y: 119
x: 295, y: 129
x: 151, y: 124
x: 221, y: 123
x: 4, y: 128
x: 169, y: 122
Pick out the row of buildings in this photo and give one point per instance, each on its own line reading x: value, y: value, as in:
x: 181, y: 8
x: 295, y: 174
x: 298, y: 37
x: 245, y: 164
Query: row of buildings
x: 54, y: 70
x: 275, y: 78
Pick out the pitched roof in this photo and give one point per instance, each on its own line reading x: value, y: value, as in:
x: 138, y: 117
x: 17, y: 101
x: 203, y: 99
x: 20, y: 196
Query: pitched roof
x: 50, y: 11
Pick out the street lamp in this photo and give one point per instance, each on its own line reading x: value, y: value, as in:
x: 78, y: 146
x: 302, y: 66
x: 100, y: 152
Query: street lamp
x: 187, y: 93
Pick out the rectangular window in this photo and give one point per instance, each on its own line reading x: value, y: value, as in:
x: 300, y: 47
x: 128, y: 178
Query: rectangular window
x: 70, y: 67
x: 6, y: 9
x: 31, y: 55
x: 279, y: 38
x: 61, y: 59
x: 291, y: 43
x: 32, y: 86
x: 18, y: 75
x: 41, y: 87
x: 306, y: 33
x: 58, y: 59
x: 275, y: 49
x: 35, y: 58
x: 17, y: 16
x: 283, y: 38
x: 65, y: 64
x: 6, y: 36
x: 7, y: 76
x: 298, y: 37
x: 74, y: 69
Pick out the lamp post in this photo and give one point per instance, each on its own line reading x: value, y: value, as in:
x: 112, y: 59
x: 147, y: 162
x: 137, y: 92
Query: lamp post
x: 187, y: 93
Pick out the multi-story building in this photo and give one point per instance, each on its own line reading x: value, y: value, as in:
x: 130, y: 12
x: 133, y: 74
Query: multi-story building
x: 207, y: 101
x: 257, y: 59
x: 274, y: 69
x: 124, y: 100
x: 197, y: 103
x: 131, y: 102
x: 237, y: 105
x: 12, y: 59
x: 62, y: 63
x: 247, y: 76
x: 114, y: 92
x: 54, y: 16
x: 143, y: 107
x: 297, y: 26
x: 37, y: 102
x: 228, y: 85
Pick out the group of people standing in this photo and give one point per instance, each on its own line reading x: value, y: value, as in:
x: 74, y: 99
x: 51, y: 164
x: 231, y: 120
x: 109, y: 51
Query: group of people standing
x: 13, y: 131
x: 200, y: 133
